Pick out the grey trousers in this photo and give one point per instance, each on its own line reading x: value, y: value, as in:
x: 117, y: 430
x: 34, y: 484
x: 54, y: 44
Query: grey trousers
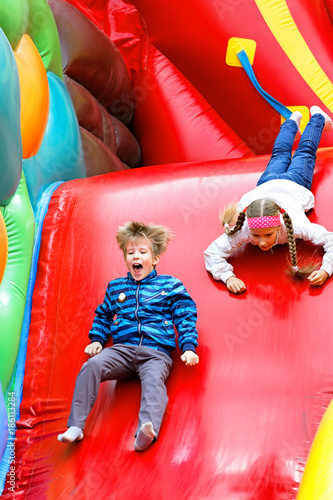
x: 121, y: 362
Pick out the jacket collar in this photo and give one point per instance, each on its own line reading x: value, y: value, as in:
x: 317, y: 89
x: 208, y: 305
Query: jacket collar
x: 147, y: 278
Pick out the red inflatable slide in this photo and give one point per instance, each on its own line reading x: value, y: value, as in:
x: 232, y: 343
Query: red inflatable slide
x: 237, y: 426
x: 241, y: 425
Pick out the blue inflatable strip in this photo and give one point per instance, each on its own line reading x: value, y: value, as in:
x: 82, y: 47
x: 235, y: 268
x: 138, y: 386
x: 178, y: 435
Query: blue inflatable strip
x: 245, y: 62
x: 22, y: 351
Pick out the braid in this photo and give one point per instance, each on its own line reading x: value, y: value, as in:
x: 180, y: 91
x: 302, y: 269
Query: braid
x: 294, y: 269
x: 291, y: 239
x: 232, y: 219
x: 238, y: 225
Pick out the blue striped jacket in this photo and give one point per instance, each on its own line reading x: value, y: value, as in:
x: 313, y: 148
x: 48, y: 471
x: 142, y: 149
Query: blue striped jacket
x: 144, y: 312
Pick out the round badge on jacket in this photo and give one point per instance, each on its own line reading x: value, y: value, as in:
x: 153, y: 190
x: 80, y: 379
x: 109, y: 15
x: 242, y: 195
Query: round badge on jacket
x: 122, y: 297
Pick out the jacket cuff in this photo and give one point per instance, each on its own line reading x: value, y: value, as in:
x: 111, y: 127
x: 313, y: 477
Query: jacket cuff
x: 226, y: 275
x: 188, y: 346
x: 96, y: 338
x: 326, y: 266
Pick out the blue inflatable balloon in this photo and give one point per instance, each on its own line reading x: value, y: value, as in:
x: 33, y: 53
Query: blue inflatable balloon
x: 60, y: 157
x: 10, y: 122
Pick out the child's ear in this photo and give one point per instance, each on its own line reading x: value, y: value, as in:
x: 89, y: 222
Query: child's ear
x: 156, y: 260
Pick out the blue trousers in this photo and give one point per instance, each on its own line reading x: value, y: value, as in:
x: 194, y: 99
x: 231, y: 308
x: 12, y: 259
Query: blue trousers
x: 300, y: 167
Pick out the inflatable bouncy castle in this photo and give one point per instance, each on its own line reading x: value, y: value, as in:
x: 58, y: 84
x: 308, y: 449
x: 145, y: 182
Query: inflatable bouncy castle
x: 164, y: 112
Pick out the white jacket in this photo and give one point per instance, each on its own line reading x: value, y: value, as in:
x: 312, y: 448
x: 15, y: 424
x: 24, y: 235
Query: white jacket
x: 296, y: 200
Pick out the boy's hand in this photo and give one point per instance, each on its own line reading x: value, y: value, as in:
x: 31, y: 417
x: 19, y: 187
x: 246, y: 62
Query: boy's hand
x: 235, y: 285
x: 93, y: 348
x: 190, y: 358
x: 318, y: 278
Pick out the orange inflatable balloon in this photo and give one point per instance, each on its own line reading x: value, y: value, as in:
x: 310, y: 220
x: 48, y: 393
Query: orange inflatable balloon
x: 34, y: 96
x: 3, y: 246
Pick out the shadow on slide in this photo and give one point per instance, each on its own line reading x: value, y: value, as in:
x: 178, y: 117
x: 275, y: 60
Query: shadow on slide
x: 239, y: 425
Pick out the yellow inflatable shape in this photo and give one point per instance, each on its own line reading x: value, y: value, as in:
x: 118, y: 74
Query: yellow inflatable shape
x: 34, y: 96
x: 235, y: 45
x: 3, y: 246
x: 305, y: 115
x: 317, y: 481
x: 279, y: 19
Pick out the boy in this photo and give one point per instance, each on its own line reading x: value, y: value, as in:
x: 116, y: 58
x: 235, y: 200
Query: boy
x: 139, y: 312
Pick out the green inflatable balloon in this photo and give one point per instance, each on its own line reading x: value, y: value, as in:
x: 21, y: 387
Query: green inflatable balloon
x: 20, y: 223
x: 43, y: 30
x: 14, y: 16
x: 35, y: 18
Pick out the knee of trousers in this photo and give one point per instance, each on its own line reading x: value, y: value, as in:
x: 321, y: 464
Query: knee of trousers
x: 156, y: 401
x: 91, y: 366
x: 158, y: 388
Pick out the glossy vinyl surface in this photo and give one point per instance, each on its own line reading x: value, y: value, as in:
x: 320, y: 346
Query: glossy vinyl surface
x: 238, y: 426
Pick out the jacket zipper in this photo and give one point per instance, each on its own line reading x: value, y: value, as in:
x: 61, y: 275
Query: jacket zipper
x: 156, y: 295
x: 136, y: 312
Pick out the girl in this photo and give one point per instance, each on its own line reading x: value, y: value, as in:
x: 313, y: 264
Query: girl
x: 273, y: 212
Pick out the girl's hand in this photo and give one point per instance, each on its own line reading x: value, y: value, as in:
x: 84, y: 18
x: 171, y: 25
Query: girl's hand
x: 318, y: 278
x: 93, y: 348
x: 190, y: 358
x: 235, y: 285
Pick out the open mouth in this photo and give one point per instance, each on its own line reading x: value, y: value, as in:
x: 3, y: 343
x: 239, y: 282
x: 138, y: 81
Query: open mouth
x: 137, y: 267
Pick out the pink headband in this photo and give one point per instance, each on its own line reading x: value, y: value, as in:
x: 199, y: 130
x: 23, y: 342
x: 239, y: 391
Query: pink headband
x: 265, y: 221
x: 259, y: 222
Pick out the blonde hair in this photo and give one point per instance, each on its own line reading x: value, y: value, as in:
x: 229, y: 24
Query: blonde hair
x: 158, y: 236
x: 233, y: 221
